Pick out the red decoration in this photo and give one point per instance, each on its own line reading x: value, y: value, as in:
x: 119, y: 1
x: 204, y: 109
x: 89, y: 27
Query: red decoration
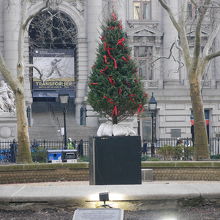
x: 132, y: 99
x: 111, y: 80
x: 103, y: 70
x: 140, y: 108
x: 119, y: 91
x: 105, y: 59
x: 114, y: 16
x: 109, y: 51
x: 108, y: 100
x: 123, y: 58
x: 93, y: 83
x: 115, y: 111
x: 115, y: 63
x: 102, y: 38
x: 121, y: 42
x: 132, y: 95
x: 120, y: 25
x: 105, y: 46
x: 111, y: 28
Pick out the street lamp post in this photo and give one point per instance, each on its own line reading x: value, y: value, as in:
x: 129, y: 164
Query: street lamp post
x: 64, y: 100
x: 152, y: 108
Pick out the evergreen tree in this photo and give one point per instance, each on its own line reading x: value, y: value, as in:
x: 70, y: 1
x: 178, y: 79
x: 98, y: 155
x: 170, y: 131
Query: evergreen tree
x: 115, y: 90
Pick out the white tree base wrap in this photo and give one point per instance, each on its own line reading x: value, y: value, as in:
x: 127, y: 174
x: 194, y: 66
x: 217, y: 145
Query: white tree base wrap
x: 108, y: 129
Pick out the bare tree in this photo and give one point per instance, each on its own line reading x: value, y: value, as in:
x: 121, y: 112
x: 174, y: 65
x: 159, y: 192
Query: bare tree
x: 17, y: 86
x: 196, y: 62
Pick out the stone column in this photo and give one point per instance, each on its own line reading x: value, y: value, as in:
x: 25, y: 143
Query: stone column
x: 94, y: 21
x: 170, y: 35
x: 217, y: 60
x: 11, y: 32
x: 1, y: 26
x: 82, y: 67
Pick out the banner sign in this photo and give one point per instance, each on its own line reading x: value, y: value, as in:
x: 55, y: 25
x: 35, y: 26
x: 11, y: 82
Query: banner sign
x: 53, y: 70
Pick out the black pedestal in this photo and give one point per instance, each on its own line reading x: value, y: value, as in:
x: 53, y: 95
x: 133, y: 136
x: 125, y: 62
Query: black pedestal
x: 115, y: 160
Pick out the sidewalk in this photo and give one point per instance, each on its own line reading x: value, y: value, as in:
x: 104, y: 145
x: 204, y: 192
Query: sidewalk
x: 78, y: 192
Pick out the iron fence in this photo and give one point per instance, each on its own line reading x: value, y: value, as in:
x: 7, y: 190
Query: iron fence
x: 214, y: 144
x: 7, y: 147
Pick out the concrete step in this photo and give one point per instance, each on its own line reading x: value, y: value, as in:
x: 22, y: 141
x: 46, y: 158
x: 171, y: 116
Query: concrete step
x: 47, y: 126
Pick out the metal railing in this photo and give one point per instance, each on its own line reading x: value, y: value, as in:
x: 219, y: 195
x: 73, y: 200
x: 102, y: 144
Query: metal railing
x: 214, y: 144
x: 6, y: 148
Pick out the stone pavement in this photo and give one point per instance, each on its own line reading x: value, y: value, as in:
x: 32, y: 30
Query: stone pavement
x: 82, y: 192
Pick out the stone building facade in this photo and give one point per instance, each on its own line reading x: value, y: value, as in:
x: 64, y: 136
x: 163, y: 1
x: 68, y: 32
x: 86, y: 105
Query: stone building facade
x: 151, y: 36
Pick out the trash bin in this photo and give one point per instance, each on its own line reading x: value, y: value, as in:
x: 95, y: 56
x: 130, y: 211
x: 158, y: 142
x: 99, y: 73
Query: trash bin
x: 70, y: 156
x: 54, y: 156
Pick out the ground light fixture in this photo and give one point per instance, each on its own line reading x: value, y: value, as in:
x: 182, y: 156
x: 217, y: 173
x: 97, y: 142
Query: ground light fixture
x: 103, y: 197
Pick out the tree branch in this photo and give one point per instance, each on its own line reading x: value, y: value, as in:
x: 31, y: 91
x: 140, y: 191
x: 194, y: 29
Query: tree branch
x: 7, y: 75
x: 212, y: 56
x: 33, y: 15
x: 39, y: 72
x: 211, y: 39
x: 197, y: 44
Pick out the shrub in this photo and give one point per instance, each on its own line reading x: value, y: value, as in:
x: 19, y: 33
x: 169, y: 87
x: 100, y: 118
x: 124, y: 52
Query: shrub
x: 39, y: 155
x: 179, y: 152
x: 166, y: 152
x: 215, y: 157
x: 188, y: 153
x: 83, y: 159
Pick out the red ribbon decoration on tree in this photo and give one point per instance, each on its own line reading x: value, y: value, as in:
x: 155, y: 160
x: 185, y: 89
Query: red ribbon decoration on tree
x: 103, y: 70
x: 120, y: 42
x: 108, y: 100
x: 119, y: 91
x: 120, y: 25
x: 111, y: 80
x: 123, y: 58
x: 93, y: 83
x: 102, y: 38
x: 115, y: 111
x: 115, y: 63
x: 140, y: 108
x: 114, y: 16
x: 130, y: 97
x: 111, y: 28
x: 105, y: 59
x: 108, y: 49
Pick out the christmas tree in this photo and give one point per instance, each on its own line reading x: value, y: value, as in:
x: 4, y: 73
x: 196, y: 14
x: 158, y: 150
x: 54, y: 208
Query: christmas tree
x: 115, y: 89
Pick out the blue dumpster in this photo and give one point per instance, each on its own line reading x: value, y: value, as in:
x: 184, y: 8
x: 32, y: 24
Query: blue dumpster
x: 54, y: 156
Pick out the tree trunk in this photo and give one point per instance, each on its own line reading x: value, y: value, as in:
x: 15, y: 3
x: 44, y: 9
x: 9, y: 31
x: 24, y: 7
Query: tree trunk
x: 201, y: 151
x: 24, y: 154
x: 114, y: 120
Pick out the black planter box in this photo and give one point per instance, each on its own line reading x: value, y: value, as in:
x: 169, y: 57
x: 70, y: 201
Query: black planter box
x: 115, y: 160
